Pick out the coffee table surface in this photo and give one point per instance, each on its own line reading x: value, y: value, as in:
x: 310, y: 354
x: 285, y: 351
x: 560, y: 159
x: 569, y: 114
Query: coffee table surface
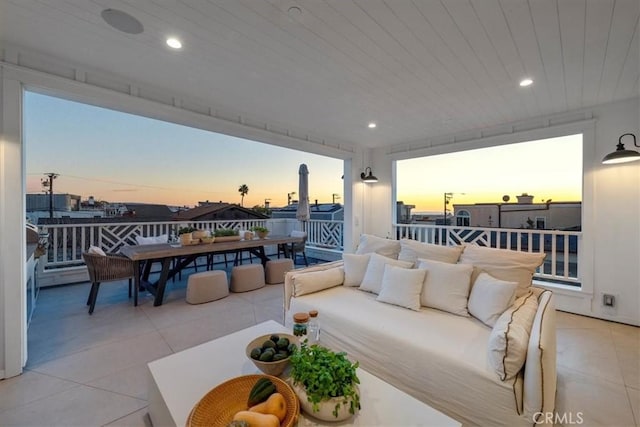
x: 177, y: 382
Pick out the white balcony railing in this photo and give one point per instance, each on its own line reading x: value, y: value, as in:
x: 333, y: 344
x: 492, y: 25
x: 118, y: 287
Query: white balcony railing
x: 63, y: 262
x: 562, y: 248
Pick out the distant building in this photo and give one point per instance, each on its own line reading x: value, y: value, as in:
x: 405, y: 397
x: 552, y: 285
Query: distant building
x: 64, y: 206
x: 147, y: 212
x: 61, y: 202
x: 217, y: 211
x: 403, y: 212
x: 317, y: 211
x: 522, y: 214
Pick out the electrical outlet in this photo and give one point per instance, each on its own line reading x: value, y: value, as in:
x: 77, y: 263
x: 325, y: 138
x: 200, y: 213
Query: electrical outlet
x: 608, y: 300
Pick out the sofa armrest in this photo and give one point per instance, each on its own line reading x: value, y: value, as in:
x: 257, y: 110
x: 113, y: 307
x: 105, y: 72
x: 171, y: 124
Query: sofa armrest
x: 540, y: 374
x: 288, y: 279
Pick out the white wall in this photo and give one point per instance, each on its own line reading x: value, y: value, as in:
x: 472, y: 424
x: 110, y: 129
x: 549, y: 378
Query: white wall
x: 12, y: 231
x: 611, y: 205
x: 616, y: 214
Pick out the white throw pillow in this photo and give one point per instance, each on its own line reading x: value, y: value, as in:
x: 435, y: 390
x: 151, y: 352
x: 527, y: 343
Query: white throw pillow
x: 402, y: 286
x: 355, y: 267
x: 504, y: 264
x: 151, y: 240
x: 94, y: 250
x: 446, y: 286
x: 411, y: 250
x: 309, y: 283
x: 372, y: 280
x: 385, y: 247
x: 509, y: 339
x: 490, y: 297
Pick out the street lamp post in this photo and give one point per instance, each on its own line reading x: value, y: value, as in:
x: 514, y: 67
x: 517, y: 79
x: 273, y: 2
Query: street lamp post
x: 289, y: 196
x: 447, y: 197
x: 48, y: 182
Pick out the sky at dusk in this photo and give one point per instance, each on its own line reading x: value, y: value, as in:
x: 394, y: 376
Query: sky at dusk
x: 119, y: 157
x: 547, y: 169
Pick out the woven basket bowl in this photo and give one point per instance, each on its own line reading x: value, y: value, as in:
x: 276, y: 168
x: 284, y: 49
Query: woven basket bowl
x: 270, y: 368
x: 218, y: 406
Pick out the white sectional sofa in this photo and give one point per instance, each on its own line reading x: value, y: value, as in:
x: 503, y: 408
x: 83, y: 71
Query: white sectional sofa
x: 442, y: 359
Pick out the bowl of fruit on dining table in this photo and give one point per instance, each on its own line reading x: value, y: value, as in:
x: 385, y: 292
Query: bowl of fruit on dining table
x: 271, y: 353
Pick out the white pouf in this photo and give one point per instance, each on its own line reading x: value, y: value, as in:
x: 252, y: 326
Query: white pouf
x: 247, y: 277
x: 277, y: 268
x: 207, y: 286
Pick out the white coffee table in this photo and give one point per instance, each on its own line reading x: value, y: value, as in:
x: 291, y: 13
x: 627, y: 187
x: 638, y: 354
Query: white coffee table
x: 178, y: 382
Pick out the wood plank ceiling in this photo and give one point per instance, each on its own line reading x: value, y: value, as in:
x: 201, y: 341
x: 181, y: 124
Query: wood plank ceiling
x: 419, y: 68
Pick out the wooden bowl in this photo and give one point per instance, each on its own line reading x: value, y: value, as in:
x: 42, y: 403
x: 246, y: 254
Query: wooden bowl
x: 270, y: 368
x: 218, y: 406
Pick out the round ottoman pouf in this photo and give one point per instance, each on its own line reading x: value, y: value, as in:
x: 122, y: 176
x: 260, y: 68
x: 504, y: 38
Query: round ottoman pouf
x: 277, y: 268
x: 247, y: 277
x: 207, y: 286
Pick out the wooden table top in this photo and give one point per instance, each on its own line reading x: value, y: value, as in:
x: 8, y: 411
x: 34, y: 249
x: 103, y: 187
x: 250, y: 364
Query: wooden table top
x: 165, y: 250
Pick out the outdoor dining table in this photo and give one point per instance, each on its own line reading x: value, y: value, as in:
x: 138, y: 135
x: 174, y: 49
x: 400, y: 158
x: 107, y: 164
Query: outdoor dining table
x: 165, y: 253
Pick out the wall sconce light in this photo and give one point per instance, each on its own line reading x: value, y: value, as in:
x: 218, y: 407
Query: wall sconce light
x: 621, y: 155
x: 368, y: 178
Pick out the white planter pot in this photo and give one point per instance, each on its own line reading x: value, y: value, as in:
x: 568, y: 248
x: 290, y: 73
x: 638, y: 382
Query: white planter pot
x: 326, y: 408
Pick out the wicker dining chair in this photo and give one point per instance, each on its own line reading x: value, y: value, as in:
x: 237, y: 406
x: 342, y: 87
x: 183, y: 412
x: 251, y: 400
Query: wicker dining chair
x: 107, y: 268
x: 295, y: 248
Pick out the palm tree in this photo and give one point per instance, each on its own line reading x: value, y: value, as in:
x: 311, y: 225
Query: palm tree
x: 243, y: 190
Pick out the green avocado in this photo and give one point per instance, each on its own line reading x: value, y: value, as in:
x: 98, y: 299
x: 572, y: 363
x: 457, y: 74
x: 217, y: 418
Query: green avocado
x: 282, y: 343
x: 267, y: 356
x: 268, y: 344
x: 256, y: 352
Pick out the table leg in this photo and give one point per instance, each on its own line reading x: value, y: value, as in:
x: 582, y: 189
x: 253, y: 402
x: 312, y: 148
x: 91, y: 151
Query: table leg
x: 136, y: 283
x: 162, y: 282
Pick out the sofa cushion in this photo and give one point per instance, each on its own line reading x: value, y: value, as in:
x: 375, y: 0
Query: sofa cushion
x: 374, y: 244
x: 355, y: 266
x: 446, y: 286
x: 509, y: 338
x: 402, y: 286
x: 372, y: 280
x: 504, y: 264
x: 411, y: 250
x: 317, y: 280
x: 520, y: 275
x: 490, y: 297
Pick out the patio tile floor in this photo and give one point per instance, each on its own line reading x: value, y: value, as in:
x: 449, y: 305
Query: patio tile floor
x: 91, y: 370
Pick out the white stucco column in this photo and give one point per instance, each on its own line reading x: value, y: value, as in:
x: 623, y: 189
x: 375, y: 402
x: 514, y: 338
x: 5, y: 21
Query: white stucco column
x: 12, y: 230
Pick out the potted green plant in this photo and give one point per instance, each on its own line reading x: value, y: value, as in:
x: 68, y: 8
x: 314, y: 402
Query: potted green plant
x: 260, y: 231
x: 325, y: 382
x: 226, y: 235
x: 186, y: 234
x: 225, y: 232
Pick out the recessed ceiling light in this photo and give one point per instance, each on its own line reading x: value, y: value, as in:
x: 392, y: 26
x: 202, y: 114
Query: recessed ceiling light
x: 122, y: 21
x: 174, y: 43
x: 294, y: 11
x: 372, y: 125
x: 526, y: 82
